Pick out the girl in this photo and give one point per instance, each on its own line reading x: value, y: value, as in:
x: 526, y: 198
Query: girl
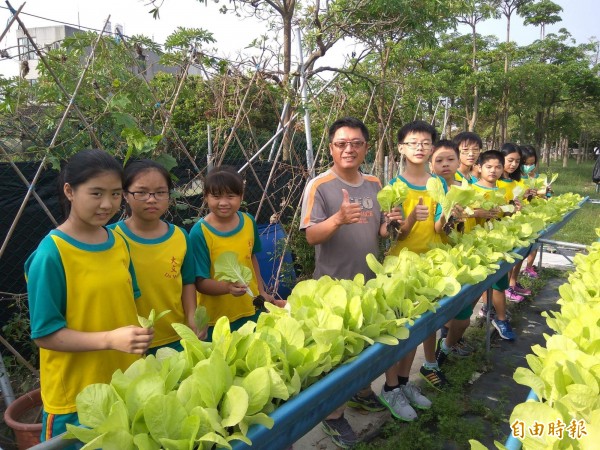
x: 511, y: 178
x: 529, y: 170
x: 81, y: 286
x: 223, y: 229
x: 159, y: 251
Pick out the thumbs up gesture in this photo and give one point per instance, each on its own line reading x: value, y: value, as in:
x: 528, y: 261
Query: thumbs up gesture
x: 421, y: 211
x: 349, y: 212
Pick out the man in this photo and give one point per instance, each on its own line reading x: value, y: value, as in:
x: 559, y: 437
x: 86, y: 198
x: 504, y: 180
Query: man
x: 340, y: 212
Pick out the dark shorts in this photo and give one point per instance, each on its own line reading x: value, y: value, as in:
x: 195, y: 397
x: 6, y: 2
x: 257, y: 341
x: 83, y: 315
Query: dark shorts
x: 501, y: 284
x: 235, y: 325
x: 174, y: 345
x: 465, y: 313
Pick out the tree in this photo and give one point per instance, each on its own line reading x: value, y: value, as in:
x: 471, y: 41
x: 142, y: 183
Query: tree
x: 476, y: 12
x: 540, y: 14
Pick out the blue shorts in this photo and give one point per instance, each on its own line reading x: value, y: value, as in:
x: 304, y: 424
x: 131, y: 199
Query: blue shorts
x: 235, y: 325
x: 55, y: 424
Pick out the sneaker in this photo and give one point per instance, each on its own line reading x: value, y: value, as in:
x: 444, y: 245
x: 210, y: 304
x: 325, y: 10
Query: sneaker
x: 530, y: 272
x: 504, y: 329
x: 465, y: 345
x: 444, y: 331
x: 513, y: 296
x: 414, y: 396
x: 435, y: 378
x: 440, y: 355
x: 368, y: 403
x: 398, y: 404
x: 522, y: 290
x: 340, y: 431
x: 483, y: 312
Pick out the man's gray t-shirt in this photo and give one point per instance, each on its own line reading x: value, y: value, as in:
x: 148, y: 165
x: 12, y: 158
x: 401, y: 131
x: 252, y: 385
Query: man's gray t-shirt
x: 344, y: 254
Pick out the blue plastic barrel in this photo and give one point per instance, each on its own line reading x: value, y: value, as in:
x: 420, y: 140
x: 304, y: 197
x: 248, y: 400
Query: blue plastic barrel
x: 272, y: 238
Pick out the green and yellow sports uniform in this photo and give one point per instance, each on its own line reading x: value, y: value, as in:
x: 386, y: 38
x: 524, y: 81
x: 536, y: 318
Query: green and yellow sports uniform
x: 423, y: 232
x: 207, y: 244
x: 84, y: 287
x: 162, y: 266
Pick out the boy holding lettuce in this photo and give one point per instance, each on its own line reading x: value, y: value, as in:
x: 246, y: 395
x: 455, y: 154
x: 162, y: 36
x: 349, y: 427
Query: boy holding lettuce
x: 340, y: 213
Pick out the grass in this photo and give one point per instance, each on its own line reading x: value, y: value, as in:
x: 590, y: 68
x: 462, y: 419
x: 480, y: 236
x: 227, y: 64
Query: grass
x: 577, y: 178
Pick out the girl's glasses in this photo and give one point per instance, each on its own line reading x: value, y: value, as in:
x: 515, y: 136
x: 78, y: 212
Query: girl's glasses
x: 143, y: 196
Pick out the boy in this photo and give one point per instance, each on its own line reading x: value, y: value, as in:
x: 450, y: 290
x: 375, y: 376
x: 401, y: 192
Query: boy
x: 340, y: 211
x: 444, y: 162
x: 491, y: 164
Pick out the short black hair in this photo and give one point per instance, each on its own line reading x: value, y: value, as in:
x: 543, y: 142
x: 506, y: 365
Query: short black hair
x: 468, y: 136
x: 223, y: 180
x: 81, y: 167
x: 445, y: 143
x: 527, y: 151
x: 489, y: 155
x: 350, y: 122
x: 138, y: 166
x: 417, y: 126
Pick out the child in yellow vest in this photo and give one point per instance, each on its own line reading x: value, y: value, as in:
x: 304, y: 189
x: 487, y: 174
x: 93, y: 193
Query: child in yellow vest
x: 160, y: 251
x: 420, y: 229
x: 81, y: 286
x: 226, y: 229
x: 511, y: 179
x: 492, y: 167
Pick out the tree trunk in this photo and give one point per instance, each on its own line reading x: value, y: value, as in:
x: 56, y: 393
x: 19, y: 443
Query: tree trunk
x: 565, y: 150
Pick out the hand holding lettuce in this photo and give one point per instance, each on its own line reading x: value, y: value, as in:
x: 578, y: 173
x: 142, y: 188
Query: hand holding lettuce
x: 229, y: 269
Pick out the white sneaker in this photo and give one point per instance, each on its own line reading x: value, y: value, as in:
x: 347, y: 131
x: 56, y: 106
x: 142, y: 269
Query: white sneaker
x: 398, y: 405
x: 414, y: 396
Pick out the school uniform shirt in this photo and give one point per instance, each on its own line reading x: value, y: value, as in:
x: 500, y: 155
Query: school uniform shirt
x: 469, y: 222
x: 84, y: 287
x: 422, y: 234
x: 508, y: 185
x: 162, y: 266
x: 207, y: 244
x: 343, y: 255
x: 458, y: 176
x: 484, y: 189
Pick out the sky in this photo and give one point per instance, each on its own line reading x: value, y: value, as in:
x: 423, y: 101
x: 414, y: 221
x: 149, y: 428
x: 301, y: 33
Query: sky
x: 233, y: 34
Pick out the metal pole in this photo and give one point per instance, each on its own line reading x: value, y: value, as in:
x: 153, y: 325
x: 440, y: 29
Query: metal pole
x: 488, y: 334
x: 279, y: 126
x: 310, y: 161
x: 209, y: 155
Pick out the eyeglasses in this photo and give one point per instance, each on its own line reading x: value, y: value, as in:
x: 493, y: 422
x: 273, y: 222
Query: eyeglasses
x: 416, y: 145
x: 144, y: 196
x: 354, y: 145
x: 466, y: 151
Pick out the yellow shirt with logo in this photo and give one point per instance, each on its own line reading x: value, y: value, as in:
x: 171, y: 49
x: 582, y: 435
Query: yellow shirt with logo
x: 207, y: 244
x: 423, y: 232
x: 162, y: 266
x: 84, y: 287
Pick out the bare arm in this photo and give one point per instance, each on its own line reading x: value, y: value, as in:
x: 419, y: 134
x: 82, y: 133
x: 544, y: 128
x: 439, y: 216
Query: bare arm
x: 209, y: 286
x: 322, y: 231
x: 130, y: 339
x: 395, y: 215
